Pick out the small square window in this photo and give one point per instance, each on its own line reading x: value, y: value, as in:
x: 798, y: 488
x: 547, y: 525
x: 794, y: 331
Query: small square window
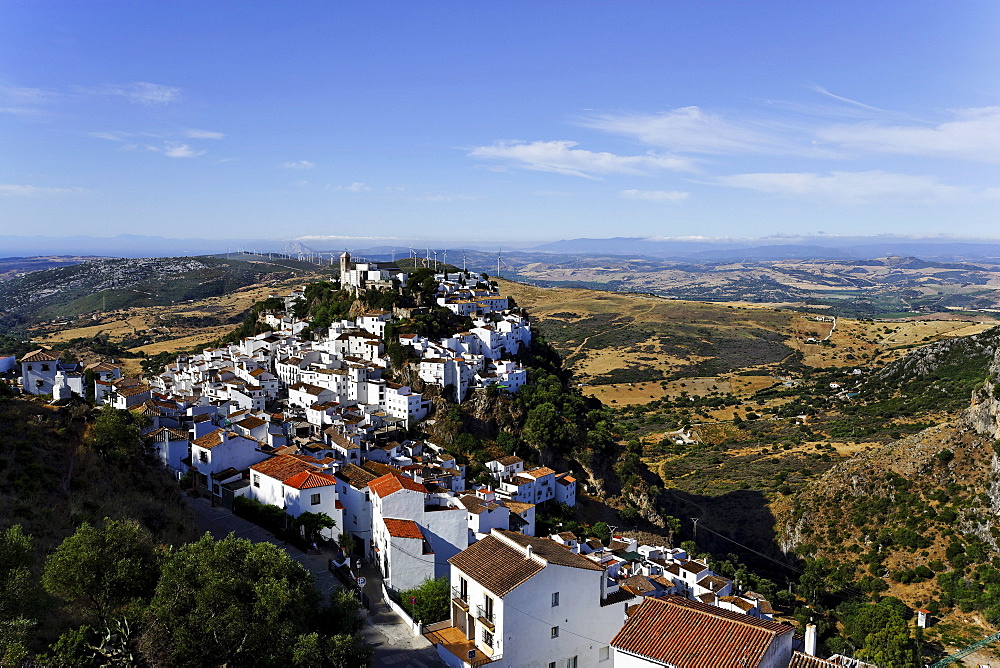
x: 604, y: 653
x: 554, y: 631
x: 555, y: 599
x: 314, y: 499
x: 256, y: 480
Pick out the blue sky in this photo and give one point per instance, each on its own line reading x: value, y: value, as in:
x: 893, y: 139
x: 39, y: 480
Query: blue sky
x: 506, y: 121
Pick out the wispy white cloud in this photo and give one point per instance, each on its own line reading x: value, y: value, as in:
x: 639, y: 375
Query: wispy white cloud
x: 192, y: 133
x: 298, y: 164
x: 22, y: 190
x: 139, y: 92
x: 853, y: 187
x: 121, y: 136
x: 656, y: 195
x: 840, y: 98
x: 175, y: 150
x: 562, y: 158
x: 356, y: 187
x: 693, y: 130
x: 971, y: 134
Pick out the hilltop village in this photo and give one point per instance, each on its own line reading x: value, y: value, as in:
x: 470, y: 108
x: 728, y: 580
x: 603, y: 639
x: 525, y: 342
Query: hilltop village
x: 306, y: 421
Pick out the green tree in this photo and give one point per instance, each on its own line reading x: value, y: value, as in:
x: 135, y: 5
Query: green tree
x: 117, y: 434
x: 240, y: 603
x: 312, y: 523
x: 601, y: 531
x: 314, y: 650
x: 102, y: 570
x: 433, y: 598
x: 17, y: 595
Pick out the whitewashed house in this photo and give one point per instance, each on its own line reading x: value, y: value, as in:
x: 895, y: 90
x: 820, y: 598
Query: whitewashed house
x: 442, y: 524
x: 220, y: 450
x: 296, y: 486
x: 171, y: 447
x: 355, y: 496
x: 527, y: 601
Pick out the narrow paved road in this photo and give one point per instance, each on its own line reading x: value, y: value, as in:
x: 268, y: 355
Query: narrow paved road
x: 390, y: 636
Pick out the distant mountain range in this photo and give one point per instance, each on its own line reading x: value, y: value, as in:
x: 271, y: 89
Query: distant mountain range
x: 817, y: 247
x: 804, y: 248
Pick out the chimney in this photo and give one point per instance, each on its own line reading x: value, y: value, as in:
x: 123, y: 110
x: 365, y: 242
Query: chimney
x: 528, y: 551
x: 810, y: 639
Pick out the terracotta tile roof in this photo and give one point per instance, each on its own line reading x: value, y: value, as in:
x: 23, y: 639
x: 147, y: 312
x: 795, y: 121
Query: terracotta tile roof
x: 518, y: 507
x: 694, y: 635
x: 380, y: 469
x: 551, y: 551
x: 390, y: 483
x: 308, y: 480
x: 496, y: 565
x: 164, y: 433
x: 40, y: 355
x: 694, y: 567
x: 539, y: 472
x: 509, y: 461
x: 132, y: 391
x: 639, y: 584
x: 282, y: 467
x: 251, y: 422
x: 714, y: 582
x: 402, y: 528
x: 800, y: 660
x: 740, y: 603
x: 211, y: 439
x: 476, y: 505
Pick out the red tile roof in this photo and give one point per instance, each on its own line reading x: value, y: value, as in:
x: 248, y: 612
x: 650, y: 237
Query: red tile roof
x: 695, y: 635
x: 390, y: 483
x: 283, y: 467
x: 402, y: 528
x: 496, y: 565
x: 40, y: 355
x: 308, y: 480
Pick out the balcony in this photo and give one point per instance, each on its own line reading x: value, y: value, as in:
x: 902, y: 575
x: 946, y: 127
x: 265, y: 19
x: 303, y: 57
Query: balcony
x: 486, y: 617
x: 459, y: 599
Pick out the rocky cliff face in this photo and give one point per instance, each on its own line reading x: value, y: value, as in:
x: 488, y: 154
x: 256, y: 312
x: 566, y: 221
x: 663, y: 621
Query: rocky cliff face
x: 949, y: 474
x: 983, y: 416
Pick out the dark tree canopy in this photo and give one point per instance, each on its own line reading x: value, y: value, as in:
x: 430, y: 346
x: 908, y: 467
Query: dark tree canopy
x: 101, y: 570
x: 241, y: 603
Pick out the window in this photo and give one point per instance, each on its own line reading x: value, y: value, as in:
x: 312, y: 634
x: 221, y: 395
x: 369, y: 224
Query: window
x: 555, y: 599
x: 571, y: 662
x: 202, y: 456
x: 552, y: 664
x: 463, y: 589
x: 45, y: 367
x: 604, y: 653
x: 314, y: 499
x: 487, y: 638
x: 29, y: 367
x: 256, y: 480
x: 554, y: 631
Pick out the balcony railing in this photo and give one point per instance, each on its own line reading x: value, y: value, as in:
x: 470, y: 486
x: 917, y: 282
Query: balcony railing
x: 459, y: 598
x: 486, y: 616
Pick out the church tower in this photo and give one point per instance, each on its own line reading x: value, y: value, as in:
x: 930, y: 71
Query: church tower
x: 345, y: 266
